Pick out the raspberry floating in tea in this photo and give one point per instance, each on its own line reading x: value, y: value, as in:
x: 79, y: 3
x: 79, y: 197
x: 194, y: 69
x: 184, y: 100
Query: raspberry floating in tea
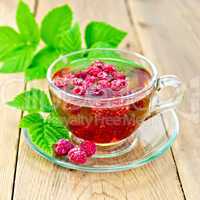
x: 99, y: 79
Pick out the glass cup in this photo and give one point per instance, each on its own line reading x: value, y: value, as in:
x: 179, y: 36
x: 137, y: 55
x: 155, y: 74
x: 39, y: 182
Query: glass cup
x: 111, y: 122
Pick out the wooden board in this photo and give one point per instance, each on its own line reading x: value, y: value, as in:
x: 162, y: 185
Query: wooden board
x: 38, y: 179
x: 169, y: 31
x: 10, y: 85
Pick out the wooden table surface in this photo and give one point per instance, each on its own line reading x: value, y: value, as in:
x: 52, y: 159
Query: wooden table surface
x: 167, y: 32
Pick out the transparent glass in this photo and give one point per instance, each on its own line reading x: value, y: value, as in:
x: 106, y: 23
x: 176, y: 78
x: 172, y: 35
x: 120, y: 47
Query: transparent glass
x: 153, y: 139
x: 84, y: 116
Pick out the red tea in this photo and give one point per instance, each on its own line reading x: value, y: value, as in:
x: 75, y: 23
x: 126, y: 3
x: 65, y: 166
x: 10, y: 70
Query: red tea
x: 102, y: 124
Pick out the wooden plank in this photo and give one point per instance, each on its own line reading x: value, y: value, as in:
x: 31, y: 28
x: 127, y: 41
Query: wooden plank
x: 10, y: 85
x: 170, y: 32
x: 38, y: 179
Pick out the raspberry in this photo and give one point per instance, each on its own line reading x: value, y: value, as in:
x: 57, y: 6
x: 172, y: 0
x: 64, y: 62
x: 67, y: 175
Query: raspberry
x: 102, y: 75
x: 81, y: 75
x: 109, y: 68
x: 109, y: 78
x: 123, y: 83
x: 90, y: 79
x: 97, y: 91
x: 60, y: 82
x: 93, y: 70
x: 88, y: 147
x: 77, y: 81
x: 79, y: 90
x: 77, y: 156
x: 118, y: 84
x: 118, y: 75
x: 62, y: 147
x: 104, y: 83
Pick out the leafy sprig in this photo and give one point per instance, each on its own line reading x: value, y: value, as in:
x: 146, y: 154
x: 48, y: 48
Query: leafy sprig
x: 17, y: 48
x: 44, y: 129
x: 34, y: 100
x: 44, y: 132
x: 59, y: 34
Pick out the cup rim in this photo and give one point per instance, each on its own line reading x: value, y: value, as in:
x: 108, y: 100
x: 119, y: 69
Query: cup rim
x: 129, y: 96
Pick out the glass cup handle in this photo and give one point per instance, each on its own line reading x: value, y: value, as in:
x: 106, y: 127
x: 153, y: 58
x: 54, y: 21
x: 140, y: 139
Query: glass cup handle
x: 164, y: 82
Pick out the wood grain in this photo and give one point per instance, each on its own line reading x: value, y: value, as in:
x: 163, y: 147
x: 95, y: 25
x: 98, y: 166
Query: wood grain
x: 169, y: 31
x: 10, y: 85
x: 38, y: 179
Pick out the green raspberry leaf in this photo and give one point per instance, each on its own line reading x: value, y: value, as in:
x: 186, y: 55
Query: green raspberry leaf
x: 54, y: 120
x: 70, y: 40
x: 17, y: 60
x: 34, y: 100
x: 56, y: 22
x: 27, y: 24
x: 103, y: 32
x: 41, y: 137
x: 9, y: 40
x: 30, y: 119
x: 44, y: 133
x: 40, y: 64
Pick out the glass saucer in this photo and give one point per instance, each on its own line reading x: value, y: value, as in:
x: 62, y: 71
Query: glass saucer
x: 153, y: 139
